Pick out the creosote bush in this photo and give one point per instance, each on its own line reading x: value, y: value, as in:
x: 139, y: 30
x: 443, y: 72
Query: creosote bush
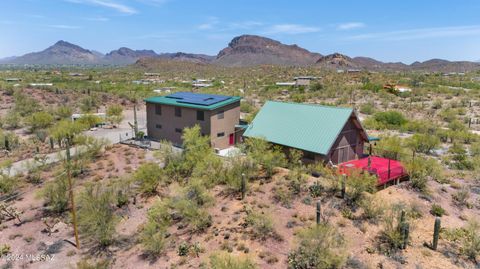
x: 149, y: 176
x: 359, y: 182
x: 96, y: 214
x: 321, y: 246
x: 225, y: 260
x: 56, y: 194
x: 153, y: 236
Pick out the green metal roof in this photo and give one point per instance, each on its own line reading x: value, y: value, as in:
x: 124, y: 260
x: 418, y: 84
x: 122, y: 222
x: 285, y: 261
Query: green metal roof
x: 164, y: 100
x: 307, y: 127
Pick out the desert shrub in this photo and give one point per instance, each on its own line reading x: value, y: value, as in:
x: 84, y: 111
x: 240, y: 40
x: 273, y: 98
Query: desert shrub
x: 196, y: 147
x: 56, y: 194
x: 321, y: 246
x: 39, y: 120
x: 66, y: 129
x: 460, y: 158
x: 294, y: 158
x: 475, y: 149
x: 8, y: 184
x: 373, y: 208
x: 12, y: 120
x: 437, y: 210
x: 153, y: 236
x: 358, y: 183
x: 265, y: 155
x: 390, y: 147
x: 261, y: 224
x: 96, y: 214
x: 86, y: 264
x: 422, y: 170
x: 122, y: 189
x: 114, y: 113
x: 468, y: 238
x: 192, y: 214
x: 246, y: 107
x: 63, y: 112
x: 224, y: 260
x: 149, y: 176
x: 25, y: 105
x: 90, y: 120
x: 423, y: 143
x: 236, y: 166
x: 391, y: 238
x: 367, y: 108
x: 389, y: 120
x: 461, y: 197
x: 9, y: 140
x: 296, y: 180
x: 88, y: 104
x: 283, y: 195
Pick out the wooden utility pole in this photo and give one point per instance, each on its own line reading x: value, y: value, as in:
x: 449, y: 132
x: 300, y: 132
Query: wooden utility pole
x: 135, y: 123
x: 72, y: 200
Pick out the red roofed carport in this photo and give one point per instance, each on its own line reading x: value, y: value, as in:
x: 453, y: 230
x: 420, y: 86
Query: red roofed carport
x: 387, y: 170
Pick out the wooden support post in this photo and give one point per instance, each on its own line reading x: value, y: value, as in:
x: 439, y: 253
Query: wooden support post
x: 388, y: 169
x: 344, y: 183
x: 72, y: 200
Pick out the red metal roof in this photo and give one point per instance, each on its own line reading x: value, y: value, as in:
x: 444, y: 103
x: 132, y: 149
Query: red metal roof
x: 378, y: 166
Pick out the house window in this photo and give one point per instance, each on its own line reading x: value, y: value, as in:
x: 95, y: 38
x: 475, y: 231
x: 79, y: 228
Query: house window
x: 178, y: 112
x: 222, y: 134
x: 158, y: 109
x: 200, y: 115
x: 178, y: 130
x: 158, y: 126
x: 220, y: 114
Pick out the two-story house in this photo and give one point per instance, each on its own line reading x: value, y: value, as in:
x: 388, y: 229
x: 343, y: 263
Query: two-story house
x: 216, y: 115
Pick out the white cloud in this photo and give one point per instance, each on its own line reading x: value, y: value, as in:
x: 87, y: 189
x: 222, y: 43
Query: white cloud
x: 97, y: 19
x: 245, y: 25
x: 350, y: 25
x: 210, y: 24
x: 63, y: 26
x: 291, y: 29
x: 421, y: 33
x: 107, y: 4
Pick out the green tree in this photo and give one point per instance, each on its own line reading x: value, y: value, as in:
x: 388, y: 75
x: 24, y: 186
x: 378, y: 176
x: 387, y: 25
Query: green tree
x: 114, y: 114
x: 149, y: 176
x: 39, y: 120
x: 423, y: 143
x: 96, y: 214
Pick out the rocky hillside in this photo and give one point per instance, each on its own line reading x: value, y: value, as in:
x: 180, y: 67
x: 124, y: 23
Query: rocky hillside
x: 248, y: 50
x: 60, y: 53
x: 244, y: 50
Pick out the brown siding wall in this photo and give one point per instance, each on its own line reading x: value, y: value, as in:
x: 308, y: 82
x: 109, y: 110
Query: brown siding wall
x: 231, y: 117
x: 209, y: 126
x: 349, y: 144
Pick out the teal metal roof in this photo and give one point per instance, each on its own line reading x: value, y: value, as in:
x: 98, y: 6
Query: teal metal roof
x: 193, y: 100
x: 308, y: 127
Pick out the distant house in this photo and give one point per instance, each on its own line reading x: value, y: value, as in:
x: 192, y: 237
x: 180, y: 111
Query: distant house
x: 217, y: 116
x: 40, y: 84
x: 322, y: 133
x: 304, y: 80
x: 285, y: 83
x: 397, y: 89
x: 13, y: 79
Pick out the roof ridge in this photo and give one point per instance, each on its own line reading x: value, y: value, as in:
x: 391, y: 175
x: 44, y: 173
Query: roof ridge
x: 309, y: 104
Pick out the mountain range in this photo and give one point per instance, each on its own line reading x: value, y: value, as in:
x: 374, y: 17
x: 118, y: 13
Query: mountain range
x: 244, y: 50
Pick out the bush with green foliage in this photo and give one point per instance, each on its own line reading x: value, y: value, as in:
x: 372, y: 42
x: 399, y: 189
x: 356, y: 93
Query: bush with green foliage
x: 386, y: 120
x: 114, y: 114
x: 39, y: 120
x: 153, y: 236
x: 321, y: 246
x: 261, y: 225
x: 437, y: 210
x: 225, y: 260
x: 373, y: 208
x: 66, y: 129
x: 367, y: 108
x: 56, y: 194
x: 63, y: 112
x: 149, y: 176
x: 265, y: 155
x: 359, y: 182
x: 235, y: 168
x: 96, y: 214
x: 423, y: 143
x: 467, y: 238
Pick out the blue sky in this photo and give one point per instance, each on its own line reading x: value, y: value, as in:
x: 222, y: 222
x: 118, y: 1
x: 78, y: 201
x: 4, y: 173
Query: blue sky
x: 393, y: 30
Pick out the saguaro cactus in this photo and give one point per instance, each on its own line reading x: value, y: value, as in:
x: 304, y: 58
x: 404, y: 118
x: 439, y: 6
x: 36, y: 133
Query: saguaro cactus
x: 243, y: 186
x: 344, y: 183
x: 319, y: 212
x: 436, y: 233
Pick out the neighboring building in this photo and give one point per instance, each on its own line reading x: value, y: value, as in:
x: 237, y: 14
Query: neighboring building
x: 323, y: 133
x: 13, y: 79
x: 304, y: 81
x: 217, y: 116
x: 285, y: 83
